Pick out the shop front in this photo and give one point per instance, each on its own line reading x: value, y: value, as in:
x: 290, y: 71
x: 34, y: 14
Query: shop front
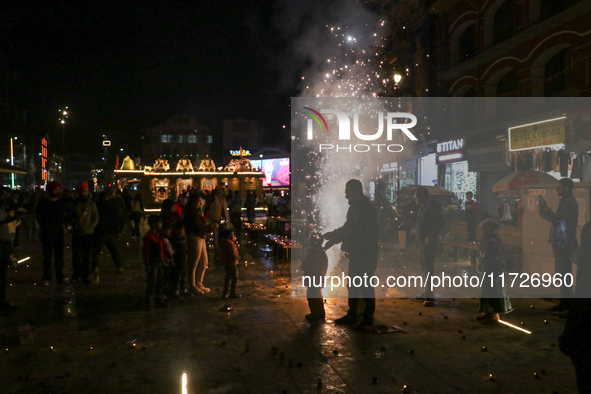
x: 452, y: 162
x: 491, y: 162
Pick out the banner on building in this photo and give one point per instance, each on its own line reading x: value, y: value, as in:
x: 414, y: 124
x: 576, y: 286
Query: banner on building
x: 578, y: 130
x: 537, y: 135
x: 488, y: 157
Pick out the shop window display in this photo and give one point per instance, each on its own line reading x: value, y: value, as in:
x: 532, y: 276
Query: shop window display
x: 459, y: 180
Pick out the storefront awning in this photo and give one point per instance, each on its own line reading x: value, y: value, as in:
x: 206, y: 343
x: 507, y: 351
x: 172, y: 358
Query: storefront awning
x: 5, y: 168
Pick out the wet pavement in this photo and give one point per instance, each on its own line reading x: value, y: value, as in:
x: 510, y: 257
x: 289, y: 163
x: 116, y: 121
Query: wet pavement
x: 99, y: 340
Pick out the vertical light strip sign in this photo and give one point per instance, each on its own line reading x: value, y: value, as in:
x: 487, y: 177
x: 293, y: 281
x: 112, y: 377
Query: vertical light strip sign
x: 44, y: 160
x: 12, y: 161
x: 537, y: 135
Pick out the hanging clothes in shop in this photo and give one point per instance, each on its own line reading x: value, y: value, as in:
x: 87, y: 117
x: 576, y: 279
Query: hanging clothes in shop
x: 547, y: 161
x: 585, y: 167
x: 529, y: 160
x: 577, y: 167
x: 555, y: 163
x: 539, y: 160
x: 564, y: 159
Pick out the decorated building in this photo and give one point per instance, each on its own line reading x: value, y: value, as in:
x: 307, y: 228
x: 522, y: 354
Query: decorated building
x: 165, y: 181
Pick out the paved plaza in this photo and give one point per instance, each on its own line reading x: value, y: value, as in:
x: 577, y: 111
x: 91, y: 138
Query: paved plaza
x: 99, y: 340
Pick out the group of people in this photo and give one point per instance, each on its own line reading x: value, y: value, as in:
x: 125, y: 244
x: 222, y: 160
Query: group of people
x: 51, y: 215
x: 359, y: 241
x: 175, y: 252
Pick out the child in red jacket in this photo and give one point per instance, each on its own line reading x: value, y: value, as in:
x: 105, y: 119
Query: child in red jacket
x: 315, y: 266
x: 230, y: 258
x: 154, y: 251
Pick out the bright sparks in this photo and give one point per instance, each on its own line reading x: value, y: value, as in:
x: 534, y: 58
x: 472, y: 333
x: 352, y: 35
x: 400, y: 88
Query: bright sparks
x: 514, y: 326
x: 184, y: 384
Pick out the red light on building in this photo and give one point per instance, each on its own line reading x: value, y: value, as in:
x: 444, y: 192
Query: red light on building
x: 44, y: 159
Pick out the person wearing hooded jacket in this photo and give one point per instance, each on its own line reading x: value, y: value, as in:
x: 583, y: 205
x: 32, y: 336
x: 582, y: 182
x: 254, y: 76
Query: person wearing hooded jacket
x: 86, y: 218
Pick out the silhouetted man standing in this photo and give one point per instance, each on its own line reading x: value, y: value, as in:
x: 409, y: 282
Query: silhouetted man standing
x: 359, y: 237
x: 563, y: 235
x: 428, y: 226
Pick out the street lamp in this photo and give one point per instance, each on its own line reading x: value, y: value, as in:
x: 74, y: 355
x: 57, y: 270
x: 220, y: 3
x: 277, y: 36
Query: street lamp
x: 64, y: 116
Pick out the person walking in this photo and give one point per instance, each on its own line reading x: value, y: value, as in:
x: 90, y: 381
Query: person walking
x: 563, y: 235
x: 85, y: 220
x: 118, y: 203
x: 5, y: 248
x: 137, y: 213
x: 428, y: 225
x: 251, y: 201
x: 196, y: 230
x: 51, y: 213
x: 105, y: 233
x: 493, y: 297
x: 219, y: 213
x: 472, y: 211
x: 235, y: 205
x: 359, y: 238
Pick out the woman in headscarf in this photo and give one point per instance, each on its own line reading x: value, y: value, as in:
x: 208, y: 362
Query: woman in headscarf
x: 493, y: 296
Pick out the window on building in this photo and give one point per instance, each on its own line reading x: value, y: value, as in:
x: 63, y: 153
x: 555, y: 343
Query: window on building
x: 504, y: 22
x: 554, y: 79
x: 467, y: 48
x: 181, y: 120
x: 549, y: 8
x: 507, y: 84
x: 471, y: 93
x: 241, y: 127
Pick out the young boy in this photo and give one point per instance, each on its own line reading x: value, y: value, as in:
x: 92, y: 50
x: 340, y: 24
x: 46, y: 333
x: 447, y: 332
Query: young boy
x: 178, y: 277
x: 153, y: 252
x: 230, y: 258
x: 315, y: 266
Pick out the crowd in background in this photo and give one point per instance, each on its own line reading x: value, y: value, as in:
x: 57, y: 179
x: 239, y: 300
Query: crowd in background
x: 183, y: 230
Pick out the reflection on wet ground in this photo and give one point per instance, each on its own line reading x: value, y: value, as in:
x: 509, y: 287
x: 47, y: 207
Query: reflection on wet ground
x: 98, y: 339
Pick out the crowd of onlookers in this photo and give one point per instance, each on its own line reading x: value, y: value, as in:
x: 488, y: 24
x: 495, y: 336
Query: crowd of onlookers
x: 174, y: 249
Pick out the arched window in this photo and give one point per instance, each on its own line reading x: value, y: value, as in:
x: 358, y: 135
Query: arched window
x: 504, y: 22
x: 471, y: 93
x: 549, y: 8
x: 507, y: 84
x: 554, y: 80
x: 467, y: 44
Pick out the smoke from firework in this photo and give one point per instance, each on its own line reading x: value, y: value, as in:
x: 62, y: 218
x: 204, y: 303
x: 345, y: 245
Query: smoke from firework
x: 338, y: 48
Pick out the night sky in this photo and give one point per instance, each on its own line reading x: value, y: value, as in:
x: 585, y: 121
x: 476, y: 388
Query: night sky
x: 128, y: 67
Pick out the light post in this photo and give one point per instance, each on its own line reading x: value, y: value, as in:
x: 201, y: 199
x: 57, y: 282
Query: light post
x: 12, y: 162
x: 63, y: 117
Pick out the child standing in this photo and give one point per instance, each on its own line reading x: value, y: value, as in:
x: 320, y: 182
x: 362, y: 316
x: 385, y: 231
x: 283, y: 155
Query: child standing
x: 178, y: 278
x: 168, y: 263
x: 315, y: 266
x: 154, y: 251
x: 230, y: 258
